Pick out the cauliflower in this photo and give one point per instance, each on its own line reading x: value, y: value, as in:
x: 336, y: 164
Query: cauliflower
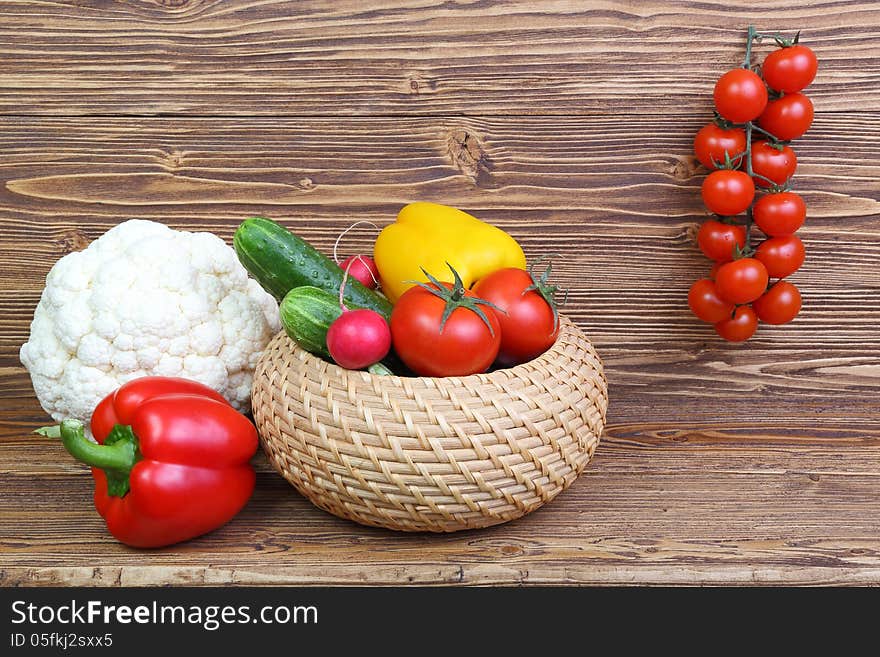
x: 141, y: 300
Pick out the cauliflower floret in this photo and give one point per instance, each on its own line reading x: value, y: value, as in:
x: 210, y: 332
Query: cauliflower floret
x: 141, y: 300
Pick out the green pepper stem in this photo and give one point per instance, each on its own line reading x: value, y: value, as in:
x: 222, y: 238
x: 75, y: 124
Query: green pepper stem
x: 120, y: 456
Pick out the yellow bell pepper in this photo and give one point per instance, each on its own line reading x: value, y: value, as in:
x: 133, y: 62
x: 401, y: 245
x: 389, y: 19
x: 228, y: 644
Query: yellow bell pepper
x: 429, y: 235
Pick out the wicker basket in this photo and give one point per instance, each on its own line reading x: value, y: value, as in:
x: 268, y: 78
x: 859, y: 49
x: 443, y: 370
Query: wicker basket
x: 431, y: 454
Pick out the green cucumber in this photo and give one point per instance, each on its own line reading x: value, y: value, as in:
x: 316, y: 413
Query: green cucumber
x: 380, y: 369
x: 306, y: 314
x: 281, y: 261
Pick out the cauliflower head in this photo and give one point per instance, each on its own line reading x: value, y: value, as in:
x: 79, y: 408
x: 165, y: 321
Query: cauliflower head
x: 142, y: 300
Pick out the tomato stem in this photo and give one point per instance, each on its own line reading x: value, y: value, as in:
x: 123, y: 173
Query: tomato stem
x: 773, y: 138
x: 752, y: 36
x: 766, y: 179
x: 748, y: 151
x: 748, y: 226
x: 748, y: 154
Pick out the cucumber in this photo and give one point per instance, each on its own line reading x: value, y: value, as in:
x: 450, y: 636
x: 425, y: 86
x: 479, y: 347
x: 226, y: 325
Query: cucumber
x: 281, y: 261
x: 379, y: 369
x: 306, y: 315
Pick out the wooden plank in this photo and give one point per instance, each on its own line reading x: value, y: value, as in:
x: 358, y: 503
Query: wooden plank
x: 345, y: 57
x: 660, y: 514
x: 620, y: 208
x: 720, y: 464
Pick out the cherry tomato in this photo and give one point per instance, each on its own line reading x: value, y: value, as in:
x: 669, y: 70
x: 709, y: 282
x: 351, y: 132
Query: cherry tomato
x: 740, y: 327
x: 465, y: 345
x: 779, y: 305
x: 712, y: 142
x: 779, y: 214
x: 741, y: 281
x: 777, y: 164
x: 705, y: 303
x: 790, y: 69
x: 782, y: 256
x: 717, y: 240
x: 529, y: 324
x: 728, y: 192
x: 740, y: 95
x: 787, y: 118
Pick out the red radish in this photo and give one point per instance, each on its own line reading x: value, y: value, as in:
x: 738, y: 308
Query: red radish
x: 364, y: 269
x: 357, y: 338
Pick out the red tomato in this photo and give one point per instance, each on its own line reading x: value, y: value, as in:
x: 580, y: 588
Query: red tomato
x: 779, y: 305
x: 777, y: 164
x: 740, y: 327
x: 728, y: 192
x: 717, y: 240
x: 529, y: 324
x: 740, y: 95
x: 705, y: 303
x: 465, y: 345
x: 787, y: 118
x: 779, y: 214
x: 741, y: 281
x: 712, y: 142
x: 790, y: 69
x: 782, y: 256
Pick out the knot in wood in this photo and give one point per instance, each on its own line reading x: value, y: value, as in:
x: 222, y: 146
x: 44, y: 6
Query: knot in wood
x: 176, y: 4
x: 469, y: 156
x: 72, y: 240
x: 418, y: 84
x: 685, y: 168
x: 173, y: 160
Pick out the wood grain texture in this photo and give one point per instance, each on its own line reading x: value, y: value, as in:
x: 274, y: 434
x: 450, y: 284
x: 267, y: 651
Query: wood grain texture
x: 721, y: 464
x: 412, y: 57
x: 621, y: 522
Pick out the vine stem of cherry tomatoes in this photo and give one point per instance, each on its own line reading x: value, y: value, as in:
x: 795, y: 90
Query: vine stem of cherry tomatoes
x: 738, y: 292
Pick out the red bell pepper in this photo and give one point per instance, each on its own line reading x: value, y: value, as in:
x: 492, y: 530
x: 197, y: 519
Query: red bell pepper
x: 172, y: 461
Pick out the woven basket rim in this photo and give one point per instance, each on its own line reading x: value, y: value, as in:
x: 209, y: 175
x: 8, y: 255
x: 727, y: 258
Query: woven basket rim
x: 309, y: 359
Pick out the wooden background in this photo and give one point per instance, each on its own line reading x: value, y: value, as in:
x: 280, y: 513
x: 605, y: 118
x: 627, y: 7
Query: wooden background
x: 567, y: 123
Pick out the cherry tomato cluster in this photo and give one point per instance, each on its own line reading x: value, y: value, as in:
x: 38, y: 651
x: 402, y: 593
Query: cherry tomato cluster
x: 752, y: 177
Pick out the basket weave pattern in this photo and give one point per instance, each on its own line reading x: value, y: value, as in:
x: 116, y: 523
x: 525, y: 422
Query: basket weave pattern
x: 431, y: 454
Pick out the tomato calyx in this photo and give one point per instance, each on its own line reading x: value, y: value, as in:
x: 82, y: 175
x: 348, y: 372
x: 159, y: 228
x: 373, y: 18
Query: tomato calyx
x: 782, y: 42
x: 776, y: 188
x: 456, y: 297
x: 547, y: 291
x: 729, y: 163
x: 721, y: 122
x: 743, y: 252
